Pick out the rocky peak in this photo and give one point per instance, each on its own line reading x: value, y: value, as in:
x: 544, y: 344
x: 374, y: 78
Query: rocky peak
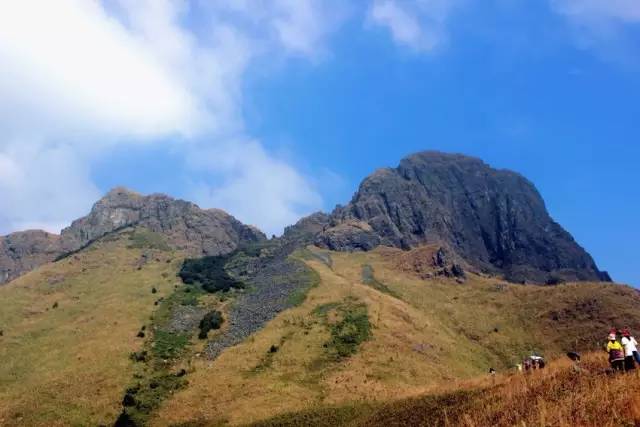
x: 493, y: 219
x: 196, y: 231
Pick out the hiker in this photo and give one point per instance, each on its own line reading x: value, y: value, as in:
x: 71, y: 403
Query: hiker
x: 616, y: 353
x: 630, y: 347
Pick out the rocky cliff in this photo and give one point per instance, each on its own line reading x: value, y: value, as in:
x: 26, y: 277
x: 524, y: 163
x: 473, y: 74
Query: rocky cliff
x: 187, y: 227
x: 493, y: 219
x: 25, y: 250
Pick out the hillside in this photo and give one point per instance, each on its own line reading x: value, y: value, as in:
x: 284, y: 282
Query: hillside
x: 69, y: 327
x: 421, y: 334
x: 370, y: 330
x: 153, y: 311
x: 561, y: 395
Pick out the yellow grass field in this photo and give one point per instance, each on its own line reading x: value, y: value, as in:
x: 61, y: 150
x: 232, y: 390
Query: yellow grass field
x: 430, y: 334
x: 69, y: 365
x: 426, y: 340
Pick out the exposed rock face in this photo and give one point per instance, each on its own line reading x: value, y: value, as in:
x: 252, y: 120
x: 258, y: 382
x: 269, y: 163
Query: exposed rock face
x: 493, y: 219
x: 25, y: 250
x: 198, y: 231
x: 349, y: 235
x: 187, y: 227
x: 307, y: 228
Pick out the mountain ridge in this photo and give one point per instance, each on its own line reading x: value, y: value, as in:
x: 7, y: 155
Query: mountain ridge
x: 492, y: 220
x: 196, y: 231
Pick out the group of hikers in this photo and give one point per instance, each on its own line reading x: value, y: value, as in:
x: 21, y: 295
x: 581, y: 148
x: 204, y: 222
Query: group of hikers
x: 623, y: 354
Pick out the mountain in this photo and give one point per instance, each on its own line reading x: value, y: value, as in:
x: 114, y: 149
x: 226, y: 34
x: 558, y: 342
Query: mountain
x: 487, y: 220
x: 155, y: 312
x: 494, y: 220
x: 187, y: 227
x: 196, y: 231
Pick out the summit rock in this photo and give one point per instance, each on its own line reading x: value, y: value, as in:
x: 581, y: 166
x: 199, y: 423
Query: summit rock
x: 495, y: 220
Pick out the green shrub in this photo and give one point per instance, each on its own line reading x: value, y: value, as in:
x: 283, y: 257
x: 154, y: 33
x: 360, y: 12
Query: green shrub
x: 210, y: 273
x: 211, y: 320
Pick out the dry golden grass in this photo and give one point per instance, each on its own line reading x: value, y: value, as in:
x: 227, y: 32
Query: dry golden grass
x: 557, y: 396
x: 69, y: 365
x: 435, y: 333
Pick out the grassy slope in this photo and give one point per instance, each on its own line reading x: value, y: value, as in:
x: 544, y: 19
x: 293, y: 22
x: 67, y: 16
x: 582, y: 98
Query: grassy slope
x: 557, y: 396
x: 69, y: 365
x: 434, y: 332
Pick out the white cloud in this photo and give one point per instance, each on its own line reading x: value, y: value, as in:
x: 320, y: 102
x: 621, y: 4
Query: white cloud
x: 80, y: 76
x: 301, y: 27
x: 417, y: 24
x: 602, y: 25
x: 262, y: 189
x: 70, y: 67
x: 598, y: 10
x: 42, y: 186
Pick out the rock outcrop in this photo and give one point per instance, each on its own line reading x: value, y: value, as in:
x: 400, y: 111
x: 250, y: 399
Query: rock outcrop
x: 493, y: 219
x: 349, y: 235
x: 25, y: 250
x: 187, y: 227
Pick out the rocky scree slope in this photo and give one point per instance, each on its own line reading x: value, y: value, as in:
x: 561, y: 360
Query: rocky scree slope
x: 187, y: 227
x: 495, y: 220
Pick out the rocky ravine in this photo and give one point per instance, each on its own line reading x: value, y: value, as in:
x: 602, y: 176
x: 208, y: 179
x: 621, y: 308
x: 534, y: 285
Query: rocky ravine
x: 187, y: 227
x: 493, y: 219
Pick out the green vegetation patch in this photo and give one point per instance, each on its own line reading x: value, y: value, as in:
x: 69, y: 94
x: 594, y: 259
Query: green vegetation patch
x: 369, y: 279
x: 169, y: 345
x: 146, y: 239
x: 157, y: 376
x: 349, y: 325
x: 210, y: 273
x: 182, y: 296
x: 308, y: 279
x: 145, y: 396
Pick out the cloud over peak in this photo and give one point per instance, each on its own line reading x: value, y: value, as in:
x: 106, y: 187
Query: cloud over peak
x: 80, y: 77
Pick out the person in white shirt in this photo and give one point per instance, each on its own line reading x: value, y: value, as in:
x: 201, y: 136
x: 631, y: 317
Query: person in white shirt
x: 630, y: 349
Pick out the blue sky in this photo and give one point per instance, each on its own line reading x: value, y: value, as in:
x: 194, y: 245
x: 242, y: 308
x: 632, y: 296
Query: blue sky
x: 272, y: 109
